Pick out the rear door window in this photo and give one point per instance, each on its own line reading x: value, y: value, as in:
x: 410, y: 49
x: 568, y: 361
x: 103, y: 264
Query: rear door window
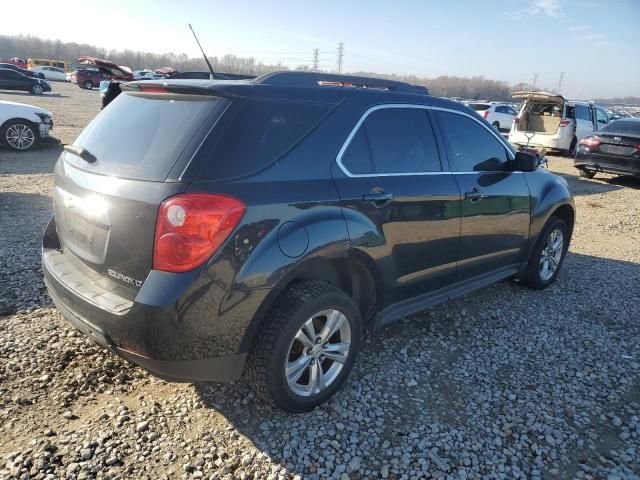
x: 261, y: 132
x: 471, y: 147
x: 142, y: 136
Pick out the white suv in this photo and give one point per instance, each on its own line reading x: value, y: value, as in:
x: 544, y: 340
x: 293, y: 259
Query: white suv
x: 500, y: 115
x: 548, y: 121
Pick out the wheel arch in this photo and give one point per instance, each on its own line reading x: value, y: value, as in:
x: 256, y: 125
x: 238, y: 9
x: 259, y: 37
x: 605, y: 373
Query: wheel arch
x: 354, y: 274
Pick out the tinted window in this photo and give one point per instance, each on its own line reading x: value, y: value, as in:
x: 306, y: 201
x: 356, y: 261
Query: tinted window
x: 511, y: 111
x: 582, y: 113
x: 479, y: 106
x: 260, y: 133
x: 624, y: 127
x: 601, y: 116
x: 141, y: 137
x: 471, y: 147
x: 571, y: 112
x: 402, y: 141
x: 501, y: 109
x: 357, y: 157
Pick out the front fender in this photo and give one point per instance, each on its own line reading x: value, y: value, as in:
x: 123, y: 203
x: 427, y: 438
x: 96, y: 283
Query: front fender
x: 549, y: 192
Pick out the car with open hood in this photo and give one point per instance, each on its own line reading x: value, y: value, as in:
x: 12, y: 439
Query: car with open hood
x: 548, y: 121
x: 108, y: 69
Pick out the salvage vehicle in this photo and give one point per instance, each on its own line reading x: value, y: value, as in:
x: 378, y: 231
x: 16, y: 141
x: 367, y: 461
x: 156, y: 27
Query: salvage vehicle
x: 22, y: 126
x: 615, y: 148
x: 203, y: 229
x: 13, y: 80
x: 548, y: 121
x: 108, y: 69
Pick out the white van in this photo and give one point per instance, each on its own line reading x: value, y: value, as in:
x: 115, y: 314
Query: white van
x: 548, y: 121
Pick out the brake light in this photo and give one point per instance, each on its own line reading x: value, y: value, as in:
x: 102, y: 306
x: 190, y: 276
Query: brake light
x: 153, y: 89
x: 637, y: 147
x: 590, y: 142
x: 191, y: 227
x: 485, y: 114
x: 564, y: 123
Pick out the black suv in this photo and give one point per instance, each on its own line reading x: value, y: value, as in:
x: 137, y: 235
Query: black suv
x: 203, y: 228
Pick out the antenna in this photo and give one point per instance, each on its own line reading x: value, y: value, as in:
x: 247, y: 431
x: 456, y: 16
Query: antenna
x: 211, y: 72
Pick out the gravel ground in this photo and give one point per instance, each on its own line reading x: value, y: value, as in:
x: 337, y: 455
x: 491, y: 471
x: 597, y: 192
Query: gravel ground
x: 505, y: 383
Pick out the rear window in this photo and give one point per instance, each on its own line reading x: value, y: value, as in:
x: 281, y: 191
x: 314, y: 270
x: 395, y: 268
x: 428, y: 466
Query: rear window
x: 261, y: 132
x: 478, y: 107
x: 624, y: 127
x: 142, y: 136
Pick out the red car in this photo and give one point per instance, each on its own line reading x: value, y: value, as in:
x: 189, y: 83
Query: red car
x: 108, y: 69
x: 87, y: 77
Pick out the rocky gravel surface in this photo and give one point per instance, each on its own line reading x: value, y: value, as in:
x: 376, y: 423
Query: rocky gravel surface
x: 506, y: 383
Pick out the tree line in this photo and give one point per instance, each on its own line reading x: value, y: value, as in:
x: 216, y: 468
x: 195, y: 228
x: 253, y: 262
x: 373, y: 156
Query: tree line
x: 445, y: 86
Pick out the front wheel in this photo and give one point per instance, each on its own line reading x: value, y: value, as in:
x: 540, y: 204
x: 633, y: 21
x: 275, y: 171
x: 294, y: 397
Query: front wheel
x: 548, y: 255
x: 584, y: 173
x: 37, y: 89
x: 88, y: 84
x: 306, y: 347
x: 19, y: 135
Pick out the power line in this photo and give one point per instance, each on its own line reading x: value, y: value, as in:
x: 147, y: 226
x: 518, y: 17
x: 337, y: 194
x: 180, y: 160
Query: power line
x: 535, y: 79
x: 316, y: 59
x: 340, y: 56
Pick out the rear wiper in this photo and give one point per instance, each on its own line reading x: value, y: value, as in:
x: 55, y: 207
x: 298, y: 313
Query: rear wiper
x: 83, y: 153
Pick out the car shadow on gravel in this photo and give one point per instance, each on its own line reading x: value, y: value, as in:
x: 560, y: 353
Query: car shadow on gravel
x: 27, y: 94
x: 41, y: 159
x: 422, y: 363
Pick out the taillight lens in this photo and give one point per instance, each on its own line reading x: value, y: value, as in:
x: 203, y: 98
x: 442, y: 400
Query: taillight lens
x: 590, y: 142
x: 191, y: 227
x: 153, y: 89
x: 564, y: 123
x: 485, y: 114
x: 637, y: 147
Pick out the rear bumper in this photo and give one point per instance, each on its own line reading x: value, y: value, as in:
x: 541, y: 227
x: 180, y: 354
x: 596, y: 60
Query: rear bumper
x: 176, y: 327
x: 605, y: 164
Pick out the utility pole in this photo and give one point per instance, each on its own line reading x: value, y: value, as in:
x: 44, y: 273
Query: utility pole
x: 316, y: 58
x: 535, y: 80
x: 560, y: 82
x: 340, y: 56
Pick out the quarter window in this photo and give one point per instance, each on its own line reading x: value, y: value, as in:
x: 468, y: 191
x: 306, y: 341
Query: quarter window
x: 582, y: 113
x: 472, y: 148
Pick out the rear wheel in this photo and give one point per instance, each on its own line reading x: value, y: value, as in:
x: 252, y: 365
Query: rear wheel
x: 306, y: 347
x: 548, y: 255
x: 496, y: 125
x: 19, y: 135
x: 88, y: 84
x: 584, y: 173
x: 572, y: 148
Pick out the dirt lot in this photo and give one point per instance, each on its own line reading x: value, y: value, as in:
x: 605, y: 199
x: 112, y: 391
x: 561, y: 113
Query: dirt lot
x: 504, y: 383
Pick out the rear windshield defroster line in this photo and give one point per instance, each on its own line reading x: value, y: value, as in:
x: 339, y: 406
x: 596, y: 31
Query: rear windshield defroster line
x: 142, y: 137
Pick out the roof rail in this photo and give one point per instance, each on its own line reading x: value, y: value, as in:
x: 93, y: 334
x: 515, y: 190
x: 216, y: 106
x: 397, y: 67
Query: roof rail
x: 315, y: 79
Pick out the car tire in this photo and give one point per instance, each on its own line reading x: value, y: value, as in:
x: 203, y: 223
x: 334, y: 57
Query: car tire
x: 535, y: 275
x: 19, y: 135
x: 585, y: 173
x: 87, y: 84
x: 285, y: 365
x: 37, y: 89
x: 496, y: 125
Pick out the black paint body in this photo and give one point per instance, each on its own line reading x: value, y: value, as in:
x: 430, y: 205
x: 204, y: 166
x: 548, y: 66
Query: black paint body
x: 305, y: 218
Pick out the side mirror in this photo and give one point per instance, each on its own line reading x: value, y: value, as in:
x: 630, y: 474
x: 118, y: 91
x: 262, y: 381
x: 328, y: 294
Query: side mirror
x: 525, y: 162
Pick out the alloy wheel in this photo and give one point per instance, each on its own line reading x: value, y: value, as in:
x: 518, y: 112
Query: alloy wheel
x: 20, y: 136
x: 318, y: 353
x: 551, y: 255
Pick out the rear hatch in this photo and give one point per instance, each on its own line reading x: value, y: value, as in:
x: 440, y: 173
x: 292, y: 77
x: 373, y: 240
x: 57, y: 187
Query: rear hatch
x: 111, y: 181
x: 542, y: 113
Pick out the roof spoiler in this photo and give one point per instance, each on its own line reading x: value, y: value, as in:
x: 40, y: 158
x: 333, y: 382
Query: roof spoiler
x: 315, y: 79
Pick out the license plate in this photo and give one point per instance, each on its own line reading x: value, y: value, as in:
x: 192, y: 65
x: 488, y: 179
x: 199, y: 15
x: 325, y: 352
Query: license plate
x: 616, y: 149
x: 81, y: 230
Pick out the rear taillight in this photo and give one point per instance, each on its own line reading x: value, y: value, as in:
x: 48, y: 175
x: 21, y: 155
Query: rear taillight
x: 485, y: 114
x: 590, y: 142
x: 191, y: 227
x: 637, y: 147
x: 153, y: 89
x: 564, y: 123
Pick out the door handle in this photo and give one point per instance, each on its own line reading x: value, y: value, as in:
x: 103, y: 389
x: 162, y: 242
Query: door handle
x: 378, y: 198
x: 474, y: 195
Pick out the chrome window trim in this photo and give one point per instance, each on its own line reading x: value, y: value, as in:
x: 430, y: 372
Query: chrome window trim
x: 370, y: 110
